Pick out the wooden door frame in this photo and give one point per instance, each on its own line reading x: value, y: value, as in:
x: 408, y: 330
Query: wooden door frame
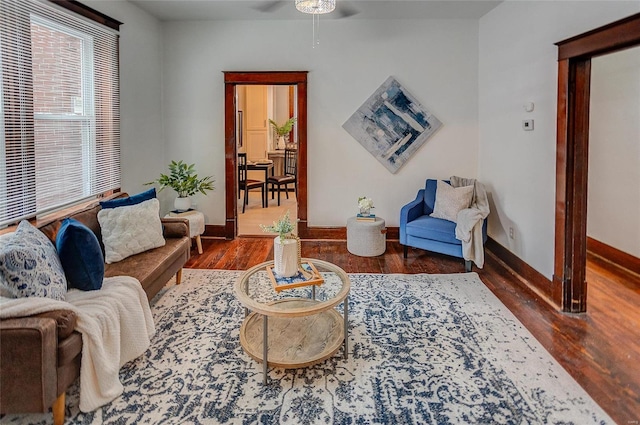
x: 231, y: 80
x: 569, y: 289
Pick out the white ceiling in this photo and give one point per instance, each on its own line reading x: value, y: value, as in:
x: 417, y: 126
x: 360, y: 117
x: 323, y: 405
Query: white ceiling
x: 181, y: 10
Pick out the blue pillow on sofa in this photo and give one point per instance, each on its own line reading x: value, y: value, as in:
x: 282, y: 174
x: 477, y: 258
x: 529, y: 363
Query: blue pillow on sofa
x: 131, y: 200
x: 80, y: 255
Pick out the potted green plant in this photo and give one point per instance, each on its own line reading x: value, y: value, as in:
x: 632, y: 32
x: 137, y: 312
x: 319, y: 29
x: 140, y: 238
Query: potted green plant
x: 285, y: 246
x: 183, y: 179
x: 283, y: 130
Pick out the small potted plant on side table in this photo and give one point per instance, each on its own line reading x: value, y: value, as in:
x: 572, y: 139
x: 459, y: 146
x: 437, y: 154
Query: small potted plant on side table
x: 183, y: 179
x: 285, y: 246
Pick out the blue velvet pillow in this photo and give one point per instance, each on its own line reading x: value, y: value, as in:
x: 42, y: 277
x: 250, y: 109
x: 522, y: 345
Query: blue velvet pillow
x: 80, y: 255
x: 131, y: 200
x: 30, y: 267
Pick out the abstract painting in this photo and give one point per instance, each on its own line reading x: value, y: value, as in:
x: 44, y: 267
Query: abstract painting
x: 392, y: 125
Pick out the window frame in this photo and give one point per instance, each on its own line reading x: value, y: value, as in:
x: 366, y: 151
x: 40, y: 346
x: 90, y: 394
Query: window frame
x: 87, y: 85
x: 18, y: 141
x: 3, y: 160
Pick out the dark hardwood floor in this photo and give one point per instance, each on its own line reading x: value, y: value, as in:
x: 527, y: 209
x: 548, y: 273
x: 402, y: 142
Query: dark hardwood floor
x: 600, y: 348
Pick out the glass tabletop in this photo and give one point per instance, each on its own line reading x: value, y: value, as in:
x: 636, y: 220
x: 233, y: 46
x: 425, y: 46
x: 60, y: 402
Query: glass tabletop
x: 255, y: 290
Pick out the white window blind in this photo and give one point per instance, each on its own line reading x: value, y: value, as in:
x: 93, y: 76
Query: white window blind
x: 59, y: 93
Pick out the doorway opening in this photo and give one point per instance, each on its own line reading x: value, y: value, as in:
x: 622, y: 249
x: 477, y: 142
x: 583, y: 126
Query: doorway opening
x: 613, y: 208
x: 233, y: 80
x: 259, y: 109
x: 569, y: 289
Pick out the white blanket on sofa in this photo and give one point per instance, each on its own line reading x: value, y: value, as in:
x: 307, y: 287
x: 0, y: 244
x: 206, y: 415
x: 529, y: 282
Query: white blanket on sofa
x: 470, y: 221
x: 116, y: 326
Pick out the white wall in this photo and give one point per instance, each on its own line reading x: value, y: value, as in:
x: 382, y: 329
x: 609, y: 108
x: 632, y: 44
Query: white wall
x: 518, y: 64
x: 613, y: 215
x: 171, y: 76
x: 142, y: 141
x: 437, y: 61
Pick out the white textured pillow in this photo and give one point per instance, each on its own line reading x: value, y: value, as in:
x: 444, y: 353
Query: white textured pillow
x: 130, y: 230
x: 451, y: 200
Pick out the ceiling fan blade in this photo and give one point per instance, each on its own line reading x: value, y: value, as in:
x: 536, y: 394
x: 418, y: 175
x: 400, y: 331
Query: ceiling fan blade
x: 345, y: 11
x: 270, y: 6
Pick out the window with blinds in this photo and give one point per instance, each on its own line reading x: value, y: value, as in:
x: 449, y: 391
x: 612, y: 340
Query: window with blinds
x: 59, y: 109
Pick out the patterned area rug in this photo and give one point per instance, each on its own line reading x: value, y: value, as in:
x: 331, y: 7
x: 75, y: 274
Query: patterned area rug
x: 424, y: 349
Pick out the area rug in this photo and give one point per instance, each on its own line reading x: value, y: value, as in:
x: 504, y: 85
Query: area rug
x: 424, y: 349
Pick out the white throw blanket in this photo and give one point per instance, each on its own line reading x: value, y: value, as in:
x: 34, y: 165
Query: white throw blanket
x: 116, y: 326
x: 470, y: 220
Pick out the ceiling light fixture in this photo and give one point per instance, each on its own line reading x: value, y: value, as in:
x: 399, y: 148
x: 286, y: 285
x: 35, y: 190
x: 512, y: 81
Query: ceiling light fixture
x: 316, y: 8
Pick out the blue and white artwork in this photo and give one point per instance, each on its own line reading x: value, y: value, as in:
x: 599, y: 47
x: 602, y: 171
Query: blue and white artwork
x: 392, y: 125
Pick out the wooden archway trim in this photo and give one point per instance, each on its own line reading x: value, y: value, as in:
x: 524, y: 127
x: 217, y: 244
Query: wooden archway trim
x: 569, y: 289
x: 231, y: 80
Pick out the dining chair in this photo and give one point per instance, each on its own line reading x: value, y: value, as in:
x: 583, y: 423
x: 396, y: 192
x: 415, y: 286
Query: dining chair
x: 289, y: 176
x: 247, y: 184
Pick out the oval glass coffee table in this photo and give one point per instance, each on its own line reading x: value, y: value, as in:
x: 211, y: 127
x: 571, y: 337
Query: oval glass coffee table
x: 297, y: 327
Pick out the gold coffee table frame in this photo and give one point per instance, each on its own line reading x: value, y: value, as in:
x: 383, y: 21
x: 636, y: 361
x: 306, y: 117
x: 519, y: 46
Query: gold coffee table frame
x: 301, y: 331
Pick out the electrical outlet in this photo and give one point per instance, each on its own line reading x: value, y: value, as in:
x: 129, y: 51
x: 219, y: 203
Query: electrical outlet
x: 511, y: 235
x: 527, y: 125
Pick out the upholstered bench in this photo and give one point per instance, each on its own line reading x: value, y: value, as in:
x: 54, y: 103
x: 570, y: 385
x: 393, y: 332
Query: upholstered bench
x: 366, y: 238
x: 196, y: 224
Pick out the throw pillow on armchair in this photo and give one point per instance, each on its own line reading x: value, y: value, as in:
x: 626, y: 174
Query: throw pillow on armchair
x: 451, y: 200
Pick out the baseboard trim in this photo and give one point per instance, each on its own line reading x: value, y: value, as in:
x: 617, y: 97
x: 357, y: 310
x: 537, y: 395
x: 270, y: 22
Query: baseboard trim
x: 214, y: 231
x: 311, y: 233
x: 340, y: 233
x: 614, y: 255
x: 325, y: 233
x: 530, y: 277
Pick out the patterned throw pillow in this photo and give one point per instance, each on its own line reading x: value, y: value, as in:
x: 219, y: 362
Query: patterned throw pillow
x: 30, y: 267
x: 130, y: 230
x: 451, y: 200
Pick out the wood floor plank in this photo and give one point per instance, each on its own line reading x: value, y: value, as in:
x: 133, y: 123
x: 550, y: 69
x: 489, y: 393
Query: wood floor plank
x: 599, y: 348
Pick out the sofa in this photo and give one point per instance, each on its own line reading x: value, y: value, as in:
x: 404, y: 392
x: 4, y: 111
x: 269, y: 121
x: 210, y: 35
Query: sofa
x: 40, y: 355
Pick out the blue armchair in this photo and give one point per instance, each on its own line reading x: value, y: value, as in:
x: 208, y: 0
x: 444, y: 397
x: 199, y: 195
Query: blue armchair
x: 419, y: 230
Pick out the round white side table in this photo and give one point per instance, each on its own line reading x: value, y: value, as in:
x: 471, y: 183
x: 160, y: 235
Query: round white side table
x: 196, y: 225
x: 366, y: 238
